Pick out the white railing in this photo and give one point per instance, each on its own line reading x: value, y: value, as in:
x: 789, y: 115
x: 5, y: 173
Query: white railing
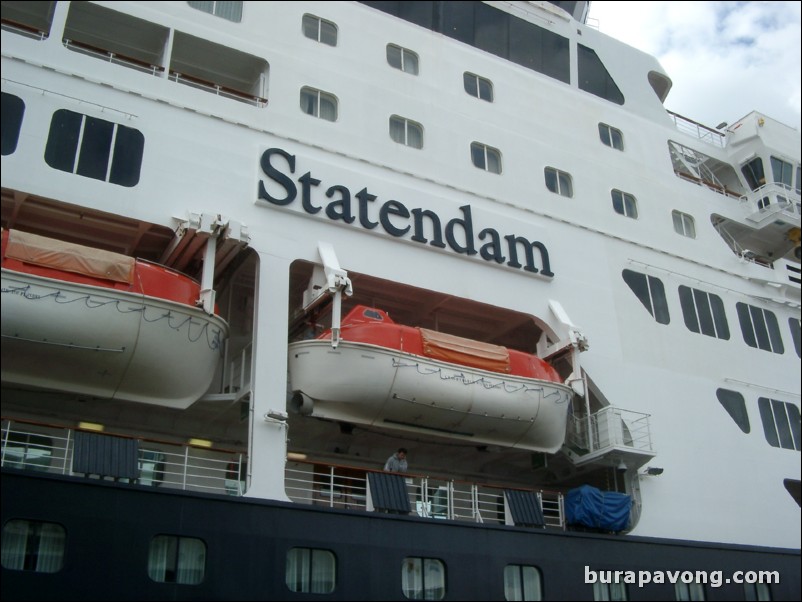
x: 217, y: 89
x: 429, y: 497
x: 113, y: 58
x: 774, y: 197
x: 608, y: 428
x: 697, y: 130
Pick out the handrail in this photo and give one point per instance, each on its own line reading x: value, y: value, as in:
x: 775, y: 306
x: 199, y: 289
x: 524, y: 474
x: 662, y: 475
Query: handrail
x: 112, y: 57
x: 701, y: 131
x: 218, y: 89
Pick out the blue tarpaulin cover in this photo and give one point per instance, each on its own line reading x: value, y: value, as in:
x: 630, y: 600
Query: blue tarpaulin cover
x: 597, y: 509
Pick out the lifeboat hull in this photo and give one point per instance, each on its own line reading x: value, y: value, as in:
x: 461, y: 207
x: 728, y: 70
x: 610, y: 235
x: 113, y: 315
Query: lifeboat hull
x: 106, y: 343
x: 369, y: 384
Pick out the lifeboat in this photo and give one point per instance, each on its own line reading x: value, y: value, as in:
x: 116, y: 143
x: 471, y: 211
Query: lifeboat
x: 100, y: 324
x: 386, y: 374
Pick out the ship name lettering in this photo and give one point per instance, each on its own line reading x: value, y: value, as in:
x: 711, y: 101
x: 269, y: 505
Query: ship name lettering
x: 397, y: 220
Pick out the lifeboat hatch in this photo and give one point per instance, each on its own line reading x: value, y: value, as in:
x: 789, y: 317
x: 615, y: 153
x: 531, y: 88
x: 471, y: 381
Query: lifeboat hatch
x: 421, y: 361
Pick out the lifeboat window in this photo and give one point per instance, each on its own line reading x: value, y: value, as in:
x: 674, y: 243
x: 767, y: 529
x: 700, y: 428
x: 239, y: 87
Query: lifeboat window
x: 108, y: 151
x: 311, y: 570
x: 173, y: 559
x: 649, y: 291
x: 12, y: 111
x: 402, y: 59
x: 753, y: 172
x: 625, y: 204
x: 610, y: 591
x: 406, y: 132
x: 522, y: 582
x: 478, y: 86
x: 231, y: 11
x: 423, y: 578
x: 794, y: 325
x: 760, y: 328
x: 30, y: 545
x: 320, y: 30
x: 319, y: 104
x: 373, y: 315
x: 559, y: 182
x: 704, y: 313
x: 689, y: 591
x: 611, y: 136
x: 734, y: 403
x: 486, y: 157
x: 684, y: 224
x: 757, y: 591
x: 781, y: 423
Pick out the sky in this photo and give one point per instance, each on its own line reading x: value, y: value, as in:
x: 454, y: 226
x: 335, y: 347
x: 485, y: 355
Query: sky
x: 725, y: 59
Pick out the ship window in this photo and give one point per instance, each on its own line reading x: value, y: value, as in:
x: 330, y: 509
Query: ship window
x: 684, y: 224
x: 594, y: 77
x: 753, y: 172
x: 13, y: 109
x: 29, y: 451
x: 94, y: 148
x: 793, y: 324
x: 781, y: 423
x: 759, y: 328
x: 689, y: 591
x: 609, y: 591
x: 651, y: 292
x: 174, y: 559
x: 478, y: 86
x: 625, y: 204
x: 30, y: 19
x: 734, y: 403
x: 319, y: 104
x: 29, y: 545
x: 320, y: 30
x: 232, y: 11
x: 522, y: 582
x: 423, y: 578
x: 757, y: 591
x: 486, y: 157
x: 794, y: 489
x: 403, y: 59
x: 798, y: 178
x: 311, y: 570
x: 782, y: 171
x: 406, y: 132
x: 704, y: 313
x: 559, y: 182
x: 611, y: 136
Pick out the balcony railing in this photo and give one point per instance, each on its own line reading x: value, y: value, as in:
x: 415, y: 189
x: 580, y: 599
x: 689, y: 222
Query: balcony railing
x: 702, y: 132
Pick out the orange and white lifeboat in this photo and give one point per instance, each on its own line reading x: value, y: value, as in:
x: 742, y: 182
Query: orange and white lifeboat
x: 105, y: 325
x: 386, y: 374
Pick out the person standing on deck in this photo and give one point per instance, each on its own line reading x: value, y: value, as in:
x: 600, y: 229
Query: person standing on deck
x: 397, y: 462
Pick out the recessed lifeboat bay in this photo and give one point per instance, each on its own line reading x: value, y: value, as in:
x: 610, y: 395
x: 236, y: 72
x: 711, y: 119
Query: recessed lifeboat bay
x: 410, y: 378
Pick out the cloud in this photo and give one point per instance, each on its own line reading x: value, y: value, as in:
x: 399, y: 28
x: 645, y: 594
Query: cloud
x: 725, y: 58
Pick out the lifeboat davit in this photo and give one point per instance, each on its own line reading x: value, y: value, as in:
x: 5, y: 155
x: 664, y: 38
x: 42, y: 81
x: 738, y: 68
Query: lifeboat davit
x: 386, y: 374
x: 101, y: 324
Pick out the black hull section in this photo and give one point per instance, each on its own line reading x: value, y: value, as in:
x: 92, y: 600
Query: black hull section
x: 110, y: 526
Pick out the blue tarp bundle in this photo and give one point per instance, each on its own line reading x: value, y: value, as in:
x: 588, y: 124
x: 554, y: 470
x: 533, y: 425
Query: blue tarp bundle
x: 597, y: 509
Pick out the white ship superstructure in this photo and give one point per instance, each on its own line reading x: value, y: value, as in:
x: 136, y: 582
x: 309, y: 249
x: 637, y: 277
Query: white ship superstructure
x: 496, y: 171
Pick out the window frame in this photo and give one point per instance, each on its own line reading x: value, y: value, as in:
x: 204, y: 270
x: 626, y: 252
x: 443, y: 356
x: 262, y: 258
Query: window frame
x: 684, y: 224
x: 606, y: 591
x: 708, y: 311
x: 407, y: 125
x: 559, y: 178
x: 609, y: 135
x: 781, y: 423
x: 425, y: 567
x: 406, y: 57
x: 515, y: 585
x: 26, y: 552
x: 171, y: 572
x: 688, y: 592
x: 217, y: 7
x: 298, y: 573
x: 760, y: 328
x: 624, y: 203
x: 487, y: 152
x: 476, y: 82
x: 319, y: 30
x: 319, y: 94
x: 655, y: 290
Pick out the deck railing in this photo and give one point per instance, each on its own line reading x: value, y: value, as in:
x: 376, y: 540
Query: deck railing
x: 50, y: 449
x: 693, y: 128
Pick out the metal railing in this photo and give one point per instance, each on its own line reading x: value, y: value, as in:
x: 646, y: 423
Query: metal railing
x: 697, y: 130
x: 774, y: 197
x: 217, y: 89
x: 608, y: 428
x: 112, y: 57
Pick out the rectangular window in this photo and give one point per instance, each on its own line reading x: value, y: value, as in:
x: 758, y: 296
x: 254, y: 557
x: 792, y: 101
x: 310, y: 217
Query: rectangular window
x: 231, y: 11
x: 704, y: 313
x: 782, y: 171
x: 319, y: 104
x: 311, y: 570
x: 757, y: 592
x: 406, y: 132
x: 94, y: 148
x: 625, y: 204
x: 683, y: 224
x: 610, y: 591
x: 760, y: 328
x: 29, y: 545
x: 781, y: 423
x: 319, y: 30
x: 478, y: 86
x: 174, y: 559
x: 559, y: 182
x: 403, y: 59
x: 611, y: 136
x: 423, y: 578
x: 486, y: 157
x: 522, y: 582
x: 689, y: 591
